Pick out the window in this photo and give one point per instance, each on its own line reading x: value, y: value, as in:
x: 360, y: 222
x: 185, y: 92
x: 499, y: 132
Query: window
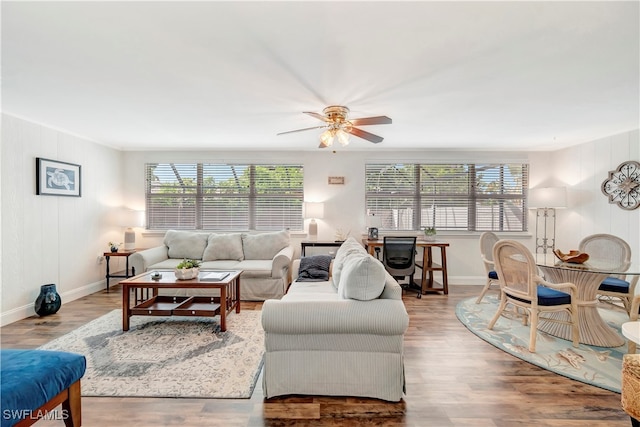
x: 202, y: 196
x: 472, y: 197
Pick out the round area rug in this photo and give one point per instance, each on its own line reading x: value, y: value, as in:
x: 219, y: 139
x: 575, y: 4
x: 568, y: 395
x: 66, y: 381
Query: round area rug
x: 598, y: 366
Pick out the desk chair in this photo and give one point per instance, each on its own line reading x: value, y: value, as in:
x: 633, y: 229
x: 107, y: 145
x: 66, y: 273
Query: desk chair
x: 398, y: 258
x: 610, y: 248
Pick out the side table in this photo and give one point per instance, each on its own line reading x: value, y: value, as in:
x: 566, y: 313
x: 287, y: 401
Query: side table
x: 126, y: 274
x: 631, y: 331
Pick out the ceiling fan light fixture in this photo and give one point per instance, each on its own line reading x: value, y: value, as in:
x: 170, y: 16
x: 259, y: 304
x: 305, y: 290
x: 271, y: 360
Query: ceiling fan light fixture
x: 343, y: 137
x: 326, y: 138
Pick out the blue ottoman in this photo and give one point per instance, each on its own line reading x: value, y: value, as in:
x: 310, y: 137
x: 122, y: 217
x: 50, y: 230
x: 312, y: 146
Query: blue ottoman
x: 34, y: 382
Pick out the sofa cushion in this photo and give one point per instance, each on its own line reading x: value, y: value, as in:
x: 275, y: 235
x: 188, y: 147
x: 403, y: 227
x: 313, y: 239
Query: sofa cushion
x: 185, y: 244
x: 264, y: 245
x: 224, y: 246
x: 348, y: 248
x: 255, y: 267
x: 363, y: 278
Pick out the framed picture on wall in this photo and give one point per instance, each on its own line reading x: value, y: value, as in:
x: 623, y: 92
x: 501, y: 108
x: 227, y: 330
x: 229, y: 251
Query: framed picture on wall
x: 55, y: 178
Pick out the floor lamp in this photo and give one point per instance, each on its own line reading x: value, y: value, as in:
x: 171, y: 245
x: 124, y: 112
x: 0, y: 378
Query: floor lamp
x: 545, y: 201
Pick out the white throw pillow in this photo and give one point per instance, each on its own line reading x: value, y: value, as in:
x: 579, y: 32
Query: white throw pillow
x: 185, y: 244
x: 224, y: 246
x: 349, y: 248
x: 363, y: 278
x: 264, y: 245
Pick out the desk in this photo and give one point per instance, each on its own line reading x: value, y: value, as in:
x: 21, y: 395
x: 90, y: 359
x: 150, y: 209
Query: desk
x: 315, y: 244
x: 587, y: 277
x: 427, y: 265
x: 126, y: 274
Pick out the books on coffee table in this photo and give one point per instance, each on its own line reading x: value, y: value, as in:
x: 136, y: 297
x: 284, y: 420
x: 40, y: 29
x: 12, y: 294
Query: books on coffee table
x: 214, y: 276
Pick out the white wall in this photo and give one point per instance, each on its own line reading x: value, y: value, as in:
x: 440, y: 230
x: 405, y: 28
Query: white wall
x: 344, y: 204
x: 52, y: 239
x: 583, y: 169
x: 49, y: 239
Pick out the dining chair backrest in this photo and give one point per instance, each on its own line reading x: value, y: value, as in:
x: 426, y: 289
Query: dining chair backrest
x: 487, y: 240
x: 516, y: 269
x: 609, y: 248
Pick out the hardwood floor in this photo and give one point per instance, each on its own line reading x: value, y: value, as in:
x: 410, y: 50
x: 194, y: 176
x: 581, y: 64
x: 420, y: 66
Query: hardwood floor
x: 453, y: 379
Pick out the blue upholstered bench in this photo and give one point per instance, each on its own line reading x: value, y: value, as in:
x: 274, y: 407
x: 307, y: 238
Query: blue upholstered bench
x: 34, y: 382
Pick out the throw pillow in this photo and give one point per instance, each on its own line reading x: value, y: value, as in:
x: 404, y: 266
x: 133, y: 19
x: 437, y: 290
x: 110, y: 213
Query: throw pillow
x: 224, y: 246
x: 185, y: 244
x: 264, y: 245
x: 363, y: 278
x: 348, y: 248
x: 314, y: 268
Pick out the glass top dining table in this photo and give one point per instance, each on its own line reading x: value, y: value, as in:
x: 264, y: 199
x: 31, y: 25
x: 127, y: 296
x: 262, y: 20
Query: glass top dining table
x: 587, y: 277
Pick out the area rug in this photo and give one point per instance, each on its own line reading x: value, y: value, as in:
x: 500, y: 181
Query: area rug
x: 598, y: 366
x: 168, y: 356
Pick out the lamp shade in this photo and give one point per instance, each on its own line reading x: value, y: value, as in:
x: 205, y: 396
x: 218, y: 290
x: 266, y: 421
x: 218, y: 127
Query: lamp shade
x: 374, y: 221
x: 313, y: 210
x: 548, y: 197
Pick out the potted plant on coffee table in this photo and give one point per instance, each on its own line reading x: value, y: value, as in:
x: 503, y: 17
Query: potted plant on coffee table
x: 187, y: 269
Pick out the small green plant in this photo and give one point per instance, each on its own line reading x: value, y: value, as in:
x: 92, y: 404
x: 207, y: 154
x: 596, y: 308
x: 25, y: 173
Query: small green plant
x: 429, y: 231
x: 188, y: 263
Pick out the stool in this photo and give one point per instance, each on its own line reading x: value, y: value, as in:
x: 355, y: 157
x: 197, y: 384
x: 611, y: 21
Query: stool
x: 34, y: 382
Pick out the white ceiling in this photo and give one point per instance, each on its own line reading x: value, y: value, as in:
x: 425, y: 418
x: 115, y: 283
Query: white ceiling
x: 206, y: 75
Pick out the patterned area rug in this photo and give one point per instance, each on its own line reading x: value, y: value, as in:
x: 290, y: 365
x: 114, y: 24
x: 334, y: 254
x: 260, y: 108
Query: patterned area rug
x: 168, y: 356
x: 598, y: 366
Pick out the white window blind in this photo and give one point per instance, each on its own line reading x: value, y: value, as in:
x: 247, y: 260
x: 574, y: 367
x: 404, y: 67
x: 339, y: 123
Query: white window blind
x: 195, y: 196
x: 474, y: 197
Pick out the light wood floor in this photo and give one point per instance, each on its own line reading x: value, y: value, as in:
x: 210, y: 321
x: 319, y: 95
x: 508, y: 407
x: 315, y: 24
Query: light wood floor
x: 453, y: 379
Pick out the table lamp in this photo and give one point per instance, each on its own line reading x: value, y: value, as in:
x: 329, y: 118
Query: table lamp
x: 313, y: 210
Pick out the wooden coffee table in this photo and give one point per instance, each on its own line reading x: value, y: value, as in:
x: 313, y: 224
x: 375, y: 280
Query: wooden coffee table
x: 159, y: 305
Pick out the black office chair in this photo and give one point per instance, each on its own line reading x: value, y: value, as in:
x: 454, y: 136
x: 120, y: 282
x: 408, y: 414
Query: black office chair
x: 398, y: 258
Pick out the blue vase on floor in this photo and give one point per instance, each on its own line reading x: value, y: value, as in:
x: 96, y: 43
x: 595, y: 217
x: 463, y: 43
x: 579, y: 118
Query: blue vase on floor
x: 48, y: 302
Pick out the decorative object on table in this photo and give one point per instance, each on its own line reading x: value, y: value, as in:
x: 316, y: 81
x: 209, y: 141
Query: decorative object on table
x: 113, y: 247
x: 169, y: 356
x: 48, y: 301
x: 340, y: 235
x: 622, y: 186
x: 546, y: 200
x: 55, y: 178
x: 313, y: 210
x: 598, y: 366
x: 573, y: 257
x: 156, y: 276
x: 373, y: 223
x: 430, y: 234
x: 188, y: 269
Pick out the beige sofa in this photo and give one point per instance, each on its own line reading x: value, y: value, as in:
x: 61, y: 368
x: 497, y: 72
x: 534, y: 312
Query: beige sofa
x: 342, y: 337
x: 264, y: 258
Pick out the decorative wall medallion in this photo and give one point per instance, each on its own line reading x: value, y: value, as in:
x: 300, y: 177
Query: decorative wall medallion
x: 623, y: 185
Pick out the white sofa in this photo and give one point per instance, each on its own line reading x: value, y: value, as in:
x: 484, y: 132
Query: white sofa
x: 342, y: 337
x: 264, y: 258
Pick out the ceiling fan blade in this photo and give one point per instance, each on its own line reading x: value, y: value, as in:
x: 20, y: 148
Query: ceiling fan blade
x: 365, y: 135
x: 301, y: 130
x: 317, y: 116
x: 378, y: 120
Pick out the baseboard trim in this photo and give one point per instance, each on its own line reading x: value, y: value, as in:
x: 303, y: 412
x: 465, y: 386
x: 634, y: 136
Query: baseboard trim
x: 28, y: 310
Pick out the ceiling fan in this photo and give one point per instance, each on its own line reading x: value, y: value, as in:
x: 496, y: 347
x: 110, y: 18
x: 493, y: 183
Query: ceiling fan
x: 339, y: 126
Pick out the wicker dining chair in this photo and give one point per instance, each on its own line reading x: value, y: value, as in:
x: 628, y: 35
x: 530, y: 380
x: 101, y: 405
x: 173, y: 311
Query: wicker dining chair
x: 523, y: 288
x: 487, y: 240
x: 617, y: 252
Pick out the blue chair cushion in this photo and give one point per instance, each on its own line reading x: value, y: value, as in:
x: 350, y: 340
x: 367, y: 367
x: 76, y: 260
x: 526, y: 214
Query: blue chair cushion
x: 613, y: 284
x: 548, y: 296
x: 30, y: 378
x: 493, y: 275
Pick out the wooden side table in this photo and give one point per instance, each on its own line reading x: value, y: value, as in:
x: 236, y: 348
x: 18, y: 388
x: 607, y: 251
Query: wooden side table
x: 126, y: 274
